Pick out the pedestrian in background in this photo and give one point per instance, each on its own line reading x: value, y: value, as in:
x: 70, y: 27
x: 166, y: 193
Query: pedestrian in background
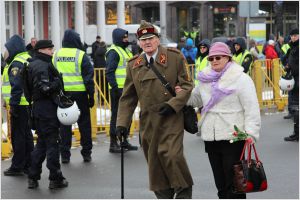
x: 293, y: 67
x: 78, y: 78
x: 21, y: 136
x: 253, y: 49
x: 189, y: 51
x: 95, y: 45
x: 241, y: 55
x: 228, y: 97
x: 31, y: 45
x: 161, y: 116
x: 45, y: 83
x: 117, y: 57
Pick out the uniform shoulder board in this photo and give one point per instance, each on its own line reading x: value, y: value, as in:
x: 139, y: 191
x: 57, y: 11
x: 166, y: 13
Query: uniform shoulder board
x: 173, y: 49
x: 133, y: 58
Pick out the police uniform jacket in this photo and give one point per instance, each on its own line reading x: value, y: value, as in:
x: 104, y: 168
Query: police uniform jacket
x: 162, y: 137
x: 15, y: 46
x: 45, y: 84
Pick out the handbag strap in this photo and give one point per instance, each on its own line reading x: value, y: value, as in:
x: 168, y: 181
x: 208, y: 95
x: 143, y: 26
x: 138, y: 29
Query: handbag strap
x: 249, y: 147
x: 164, y: 82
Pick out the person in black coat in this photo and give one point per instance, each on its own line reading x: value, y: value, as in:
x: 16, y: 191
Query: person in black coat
x: 293, y: 68
x: 45, y: 83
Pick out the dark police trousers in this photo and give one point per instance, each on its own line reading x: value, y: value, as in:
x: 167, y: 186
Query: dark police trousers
x: 114, y: 105
x: 21, y: 138
x: 84, y: 124
x: 47, y: 146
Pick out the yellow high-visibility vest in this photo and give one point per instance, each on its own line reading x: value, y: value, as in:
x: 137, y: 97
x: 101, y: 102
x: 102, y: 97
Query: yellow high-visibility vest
x: 285, y: 48
x: 68, y: 62
x: 240, y: 58
x: 22, y: 58
x: 124, y: 56
x: 200, y: 65
x: 5, y: 88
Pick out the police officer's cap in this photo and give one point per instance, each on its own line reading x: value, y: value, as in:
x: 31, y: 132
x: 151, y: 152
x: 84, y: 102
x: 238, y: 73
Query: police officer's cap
x: 43, y: 44
x: 146, y: 30
x: 294, y: 32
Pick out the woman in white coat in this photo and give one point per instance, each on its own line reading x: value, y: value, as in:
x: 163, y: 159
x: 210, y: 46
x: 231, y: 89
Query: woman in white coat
x: 228, y: 98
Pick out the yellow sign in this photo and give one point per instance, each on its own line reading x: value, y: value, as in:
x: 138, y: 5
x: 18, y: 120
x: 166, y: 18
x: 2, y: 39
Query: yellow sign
x: 111, y: 16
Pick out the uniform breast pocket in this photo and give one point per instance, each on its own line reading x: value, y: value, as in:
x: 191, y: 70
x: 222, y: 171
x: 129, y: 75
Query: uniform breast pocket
x: 150, y: 84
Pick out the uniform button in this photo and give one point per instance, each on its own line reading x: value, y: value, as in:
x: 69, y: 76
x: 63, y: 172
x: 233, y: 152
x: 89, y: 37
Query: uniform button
x: 166, y: 93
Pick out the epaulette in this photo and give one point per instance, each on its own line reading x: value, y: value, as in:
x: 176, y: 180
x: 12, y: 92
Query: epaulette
x: 173, y: 49
x: 133, y: 58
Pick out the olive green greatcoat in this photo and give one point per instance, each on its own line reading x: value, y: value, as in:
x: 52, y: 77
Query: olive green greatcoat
x: 162, y: 137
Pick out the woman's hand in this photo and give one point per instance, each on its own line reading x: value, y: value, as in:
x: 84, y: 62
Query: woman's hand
x: 178, y: 89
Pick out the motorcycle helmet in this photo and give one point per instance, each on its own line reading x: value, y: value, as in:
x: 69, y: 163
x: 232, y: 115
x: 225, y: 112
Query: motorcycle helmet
x: 287, y: 82
x: 67, y: 112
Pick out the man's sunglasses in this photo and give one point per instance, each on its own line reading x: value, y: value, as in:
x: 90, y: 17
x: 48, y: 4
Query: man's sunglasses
x: 212, y: 58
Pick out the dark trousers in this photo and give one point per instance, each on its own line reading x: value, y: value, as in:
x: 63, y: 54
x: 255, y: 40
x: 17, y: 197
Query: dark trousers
x: 84, y: 124
x: 289, y: 102
x: 47, y: 146
x: 114, y: 97
x: 222, y: 155
x: 21, y: 138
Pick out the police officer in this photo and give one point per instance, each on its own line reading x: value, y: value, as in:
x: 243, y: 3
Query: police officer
x: 201, y: 61
x: 116, y: 59
x: 21, y: 136
x: 161, y: 116
x: 78, y: 78
x: 44, y: 83
x: 241, y: 55
x: 293, y: 67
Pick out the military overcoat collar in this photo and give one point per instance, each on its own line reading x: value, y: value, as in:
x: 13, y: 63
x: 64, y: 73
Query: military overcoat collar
x: 161, y: 58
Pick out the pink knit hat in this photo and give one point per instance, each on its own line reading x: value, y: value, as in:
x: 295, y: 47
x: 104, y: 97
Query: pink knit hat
x: 219, y: 49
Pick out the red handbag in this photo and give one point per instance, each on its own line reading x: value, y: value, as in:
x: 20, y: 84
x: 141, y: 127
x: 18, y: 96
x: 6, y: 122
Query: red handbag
x: 249, y: 174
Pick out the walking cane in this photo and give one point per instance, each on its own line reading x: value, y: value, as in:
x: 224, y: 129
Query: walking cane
x: 122, y: 167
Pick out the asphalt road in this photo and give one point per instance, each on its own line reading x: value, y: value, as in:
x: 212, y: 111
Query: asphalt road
x: 100, y: 179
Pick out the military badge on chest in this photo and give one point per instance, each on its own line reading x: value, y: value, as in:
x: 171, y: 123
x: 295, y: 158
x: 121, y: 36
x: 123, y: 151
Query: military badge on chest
x: 14, y: 71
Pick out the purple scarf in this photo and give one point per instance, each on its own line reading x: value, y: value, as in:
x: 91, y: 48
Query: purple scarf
x: 213, y: 78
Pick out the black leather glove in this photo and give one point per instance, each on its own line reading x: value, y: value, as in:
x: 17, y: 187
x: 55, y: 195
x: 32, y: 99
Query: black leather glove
x: 166, y: 110
x: 14, y: 111
x: 115, y: 91
x: 121, y: 131
x: 91, y: 101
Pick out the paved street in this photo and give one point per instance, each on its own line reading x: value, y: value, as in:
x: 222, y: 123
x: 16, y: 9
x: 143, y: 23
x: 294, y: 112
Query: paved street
x: 100, y: 179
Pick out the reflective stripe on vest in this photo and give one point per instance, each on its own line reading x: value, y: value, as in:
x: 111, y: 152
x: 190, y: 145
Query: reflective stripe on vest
x: 5, y: 88
x: 240, y: 58
x: 22, y: 58
x: 68, y: 62
x: 124, y: 56
x: 285, y: 48
x: 200, y: 65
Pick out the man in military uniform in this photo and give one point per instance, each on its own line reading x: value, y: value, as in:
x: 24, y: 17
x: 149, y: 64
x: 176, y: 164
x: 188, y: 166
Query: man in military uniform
x: 116, y: 59
x: 21, y: 136
x: 161, y: 116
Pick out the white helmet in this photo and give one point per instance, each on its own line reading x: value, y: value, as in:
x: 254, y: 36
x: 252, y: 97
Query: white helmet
x: 286, y: 83
x: 68, y: 116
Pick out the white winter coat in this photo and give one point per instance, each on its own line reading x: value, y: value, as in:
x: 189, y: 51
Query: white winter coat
x: 240, y: 108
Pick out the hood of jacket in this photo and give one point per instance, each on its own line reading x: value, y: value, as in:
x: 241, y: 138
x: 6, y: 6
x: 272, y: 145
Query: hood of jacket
x: 240, y: 41
x: 14, y: 46
x: 118, y: 35
x: 71, y: 39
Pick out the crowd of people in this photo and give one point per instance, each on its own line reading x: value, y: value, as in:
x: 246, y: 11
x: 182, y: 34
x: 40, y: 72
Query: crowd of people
x: 225, y: 94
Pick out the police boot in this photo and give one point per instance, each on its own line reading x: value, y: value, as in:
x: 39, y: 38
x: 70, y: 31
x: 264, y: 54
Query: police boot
x: 32, y: 184
x: 295, y: 135
x: 55, y: 184
x: 13, y: 172
x: 114, y: 146
x: 127, y: 146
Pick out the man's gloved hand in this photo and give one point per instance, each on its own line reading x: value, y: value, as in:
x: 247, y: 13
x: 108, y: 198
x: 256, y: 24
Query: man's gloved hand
x: 91, y: 101
x: 166, y: 110
x: 115, y: 91
x: 14, y: 111
x: 121, y: 131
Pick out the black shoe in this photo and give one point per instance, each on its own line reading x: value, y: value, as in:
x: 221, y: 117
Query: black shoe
x: 114, y: 148
x: 26, y: 171
x: 55, y: 184
x: 293, y: 137
x: 65, y: 160
x: 129, y: 147
x: 32, y: 184
x: 87, y: 158
x: 288, y: 116
x: 13, y: 172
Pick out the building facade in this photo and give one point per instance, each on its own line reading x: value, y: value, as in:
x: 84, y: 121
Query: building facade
x: 49, y: 19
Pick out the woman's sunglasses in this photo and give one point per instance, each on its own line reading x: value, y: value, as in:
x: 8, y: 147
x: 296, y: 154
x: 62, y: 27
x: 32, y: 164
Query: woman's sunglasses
x: 210, y: 59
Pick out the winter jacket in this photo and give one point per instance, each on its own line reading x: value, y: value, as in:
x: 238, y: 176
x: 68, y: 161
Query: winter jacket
x: 270, y: 52
x: 240, y: 108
